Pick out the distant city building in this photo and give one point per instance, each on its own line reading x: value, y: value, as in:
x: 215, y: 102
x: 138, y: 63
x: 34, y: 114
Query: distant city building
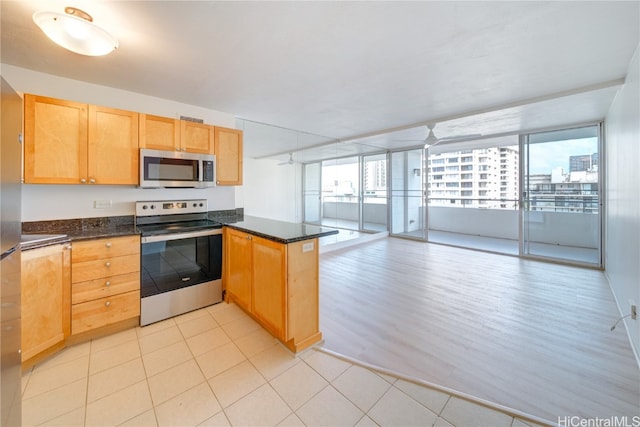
x: 583, y: 162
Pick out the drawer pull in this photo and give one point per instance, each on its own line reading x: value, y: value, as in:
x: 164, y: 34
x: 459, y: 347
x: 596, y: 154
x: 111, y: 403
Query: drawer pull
x: 108, y: 283
x: 107, y: 264
x: 107, y: 304
x: 108, y: 244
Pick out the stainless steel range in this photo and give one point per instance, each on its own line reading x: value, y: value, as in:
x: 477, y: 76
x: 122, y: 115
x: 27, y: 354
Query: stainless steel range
x: 181, y: 258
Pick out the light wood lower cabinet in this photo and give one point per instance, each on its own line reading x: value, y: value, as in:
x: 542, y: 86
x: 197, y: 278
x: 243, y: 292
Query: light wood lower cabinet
x: 45, y: 288
x: 276, y: 283
x: 105, y: 282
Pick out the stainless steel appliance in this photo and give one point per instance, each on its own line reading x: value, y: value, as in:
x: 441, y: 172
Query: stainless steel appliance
x: 159, y: 168
x: 181, y: 258
x: 10, y: 227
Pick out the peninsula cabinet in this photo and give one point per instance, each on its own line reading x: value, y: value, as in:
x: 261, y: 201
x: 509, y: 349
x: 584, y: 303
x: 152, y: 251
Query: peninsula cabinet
x: 72, y: 143
x: 45, y: 300
x: 105, y: 276
x: 163, y: 133
x: 275, y: 283
x: 228, y: 150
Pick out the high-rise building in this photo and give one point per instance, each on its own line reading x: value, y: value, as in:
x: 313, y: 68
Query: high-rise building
x: 480, y: 178
x: 583, y: 162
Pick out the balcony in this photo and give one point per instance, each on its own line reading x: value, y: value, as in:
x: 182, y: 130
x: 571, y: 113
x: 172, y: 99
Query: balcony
x: 555, y: 231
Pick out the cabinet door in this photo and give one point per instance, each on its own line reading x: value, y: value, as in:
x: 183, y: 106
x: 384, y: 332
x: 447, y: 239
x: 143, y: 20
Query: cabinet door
x: 159, y: 133
x: 46, y: 299
x: 228, y: 150
x: 196, y: 137
x: 55, y: 141
x: 113, y: 146
x: 269, y: 269
x: 237, y: 270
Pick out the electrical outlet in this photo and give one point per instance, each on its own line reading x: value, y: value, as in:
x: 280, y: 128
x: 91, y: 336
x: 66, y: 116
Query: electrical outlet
x: 102, y: 204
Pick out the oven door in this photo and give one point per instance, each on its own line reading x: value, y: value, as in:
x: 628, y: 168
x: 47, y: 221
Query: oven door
x: 180, y: 272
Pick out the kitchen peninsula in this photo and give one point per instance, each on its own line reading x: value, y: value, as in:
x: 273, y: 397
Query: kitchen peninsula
x: 271, y: 272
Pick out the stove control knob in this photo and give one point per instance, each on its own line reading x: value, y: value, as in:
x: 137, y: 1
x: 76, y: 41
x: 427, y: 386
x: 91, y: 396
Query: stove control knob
x: 145, y: 207
x: 152, y: 206
x: 195, y: 205
x: 201, y: 204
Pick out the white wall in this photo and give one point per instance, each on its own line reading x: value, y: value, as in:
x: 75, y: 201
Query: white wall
x: 42, y: 202
x: 271, y: 190
x: 622, y: 219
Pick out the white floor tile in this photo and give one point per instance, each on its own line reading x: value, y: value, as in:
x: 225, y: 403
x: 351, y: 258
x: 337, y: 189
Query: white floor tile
x: 170, y: 383
x: 190, y: 408
x: 72, y: 419
x: 329, y: 408
x: 240, y: 327
x: 218, y: 420
x: 68, y: 354
x: 219, y: 359
x: 224, y: 313
x: 115, y: 379
x: 155, y: 327
x: 110, y: 341
x: 366, y: 422
x: 197, y: 325
x: 119, y: 407
x: 50, y: 405
x: 273, y: 361
x: 291, y: 421
x: 207, y: 341
x: 146, y: 419
x: 262, y: 407
x: 43, y: 380
x: 396, y: 408
x: 236, y: 382
x: 361, y: 386
x: 328, y: 366
x: 255, y: 342
x: 298, y: 384
x: 114, y: 356
x: 432, y: 399
x: 165, y: 337
x: 166, y: 357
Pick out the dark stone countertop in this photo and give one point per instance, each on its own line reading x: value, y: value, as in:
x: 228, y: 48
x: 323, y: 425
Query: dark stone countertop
x: 278, y: 231
x: 84, y: 228
x: 35, y: 241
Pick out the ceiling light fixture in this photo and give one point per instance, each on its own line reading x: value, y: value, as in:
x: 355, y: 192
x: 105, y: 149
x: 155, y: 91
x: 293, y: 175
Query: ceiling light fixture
x: 75, y: 30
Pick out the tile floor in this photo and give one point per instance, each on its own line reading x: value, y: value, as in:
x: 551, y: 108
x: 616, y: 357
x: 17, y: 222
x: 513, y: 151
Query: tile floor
x: 217, y: 367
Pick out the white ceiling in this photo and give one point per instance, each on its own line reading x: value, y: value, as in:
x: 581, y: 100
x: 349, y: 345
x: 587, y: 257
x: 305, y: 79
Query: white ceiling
x: 349, y: 70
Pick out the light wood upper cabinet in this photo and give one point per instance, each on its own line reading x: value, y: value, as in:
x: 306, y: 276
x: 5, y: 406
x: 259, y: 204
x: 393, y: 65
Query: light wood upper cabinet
x: 228, y: 151
x: 45, y: 294
x: 159, y: 133
x: 55, y: 143
x: 72, y: 143
x: 196, y: 137
x: 113, y: 146
x: 163, y: 133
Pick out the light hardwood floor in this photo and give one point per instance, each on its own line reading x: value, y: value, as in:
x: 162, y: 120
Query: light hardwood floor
x: 529, y: 335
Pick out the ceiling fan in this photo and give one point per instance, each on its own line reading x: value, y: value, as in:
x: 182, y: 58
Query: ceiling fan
x: 288, y: 162
x: 432, y: 139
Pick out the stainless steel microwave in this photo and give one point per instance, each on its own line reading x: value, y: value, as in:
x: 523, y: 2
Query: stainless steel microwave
x: 176, y: 169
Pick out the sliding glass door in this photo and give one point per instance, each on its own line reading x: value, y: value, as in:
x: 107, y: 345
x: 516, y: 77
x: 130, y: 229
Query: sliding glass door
x: 407, y: 194
x: 561, y: 199
x: 312, y: 193
x: 374, y: 193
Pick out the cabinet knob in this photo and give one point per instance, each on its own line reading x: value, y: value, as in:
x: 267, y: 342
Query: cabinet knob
x: 108, y: 244
x: 108, y: 283
x: 107, y: 304
x: 82, y: 180
x: 92, y: 180
x: 107, y: 264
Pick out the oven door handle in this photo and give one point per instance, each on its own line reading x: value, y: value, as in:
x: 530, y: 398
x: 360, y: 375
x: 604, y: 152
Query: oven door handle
x: 178, y: 236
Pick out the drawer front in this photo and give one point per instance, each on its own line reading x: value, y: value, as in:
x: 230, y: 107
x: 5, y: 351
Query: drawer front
x: 104, y: 311
x: 105, y: 248
x: 90, y: 270
x: 104, y: 287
